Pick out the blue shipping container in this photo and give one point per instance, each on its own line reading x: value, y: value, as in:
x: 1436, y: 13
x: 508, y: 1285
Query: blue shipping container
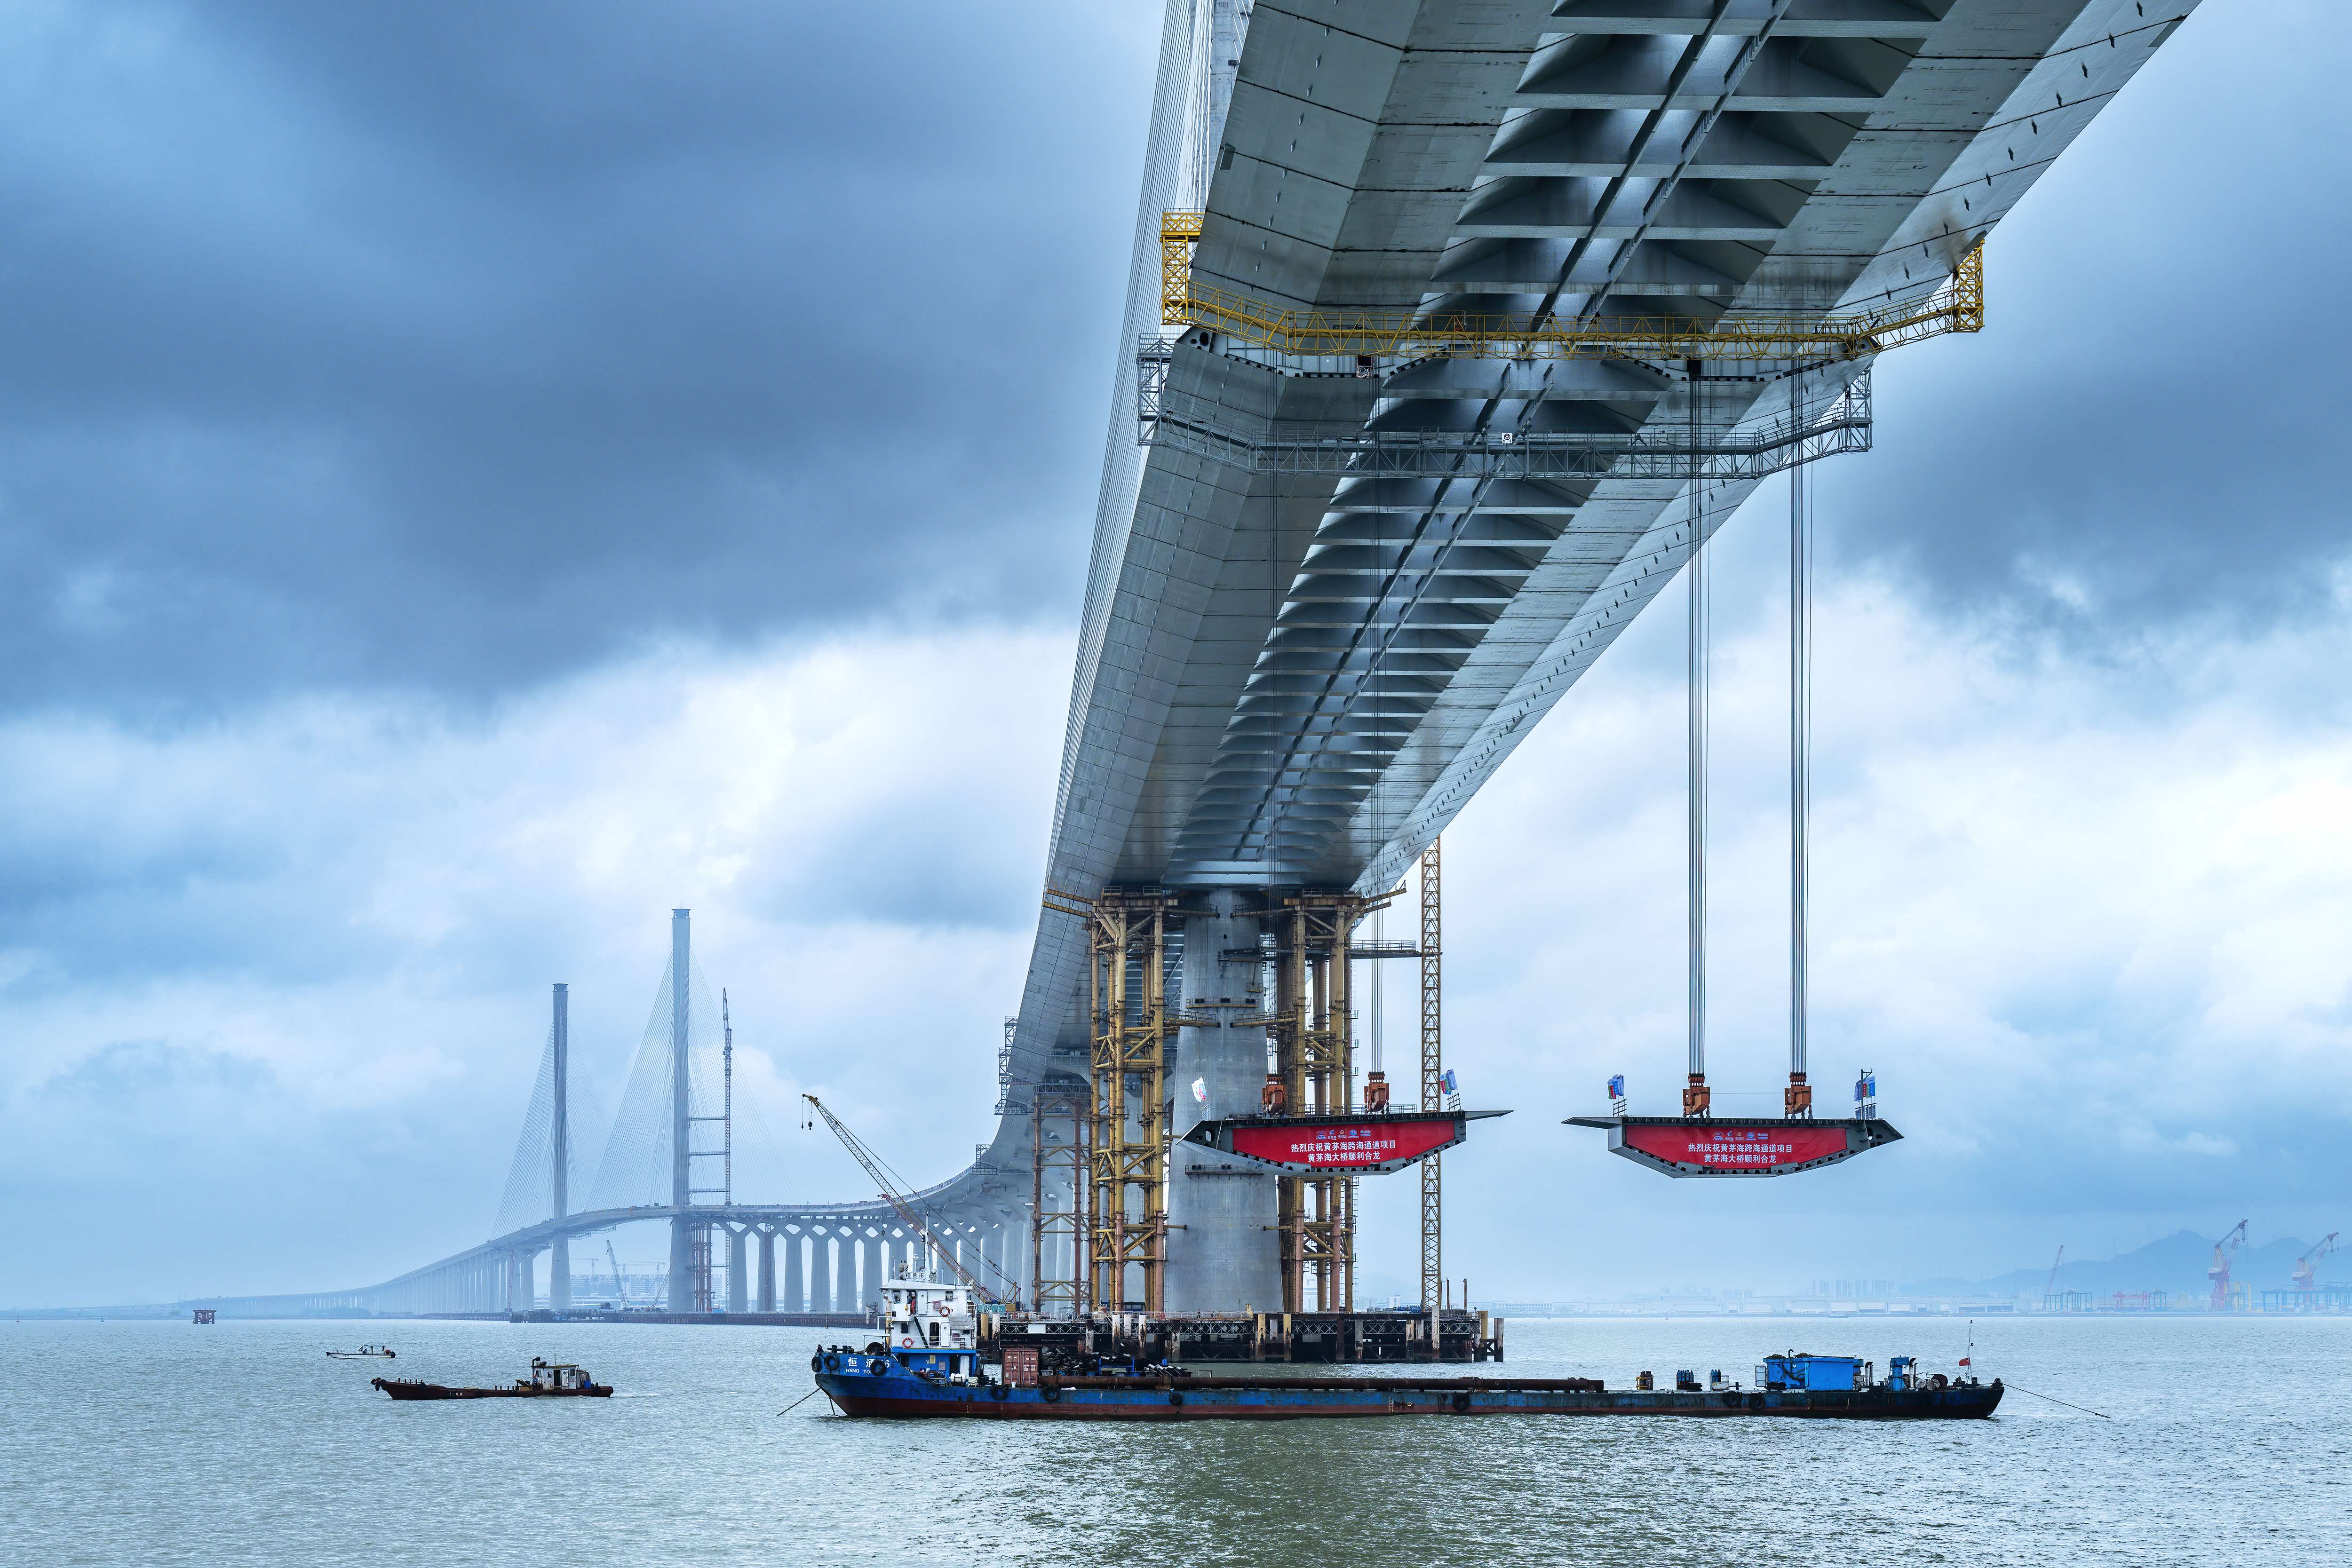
x: 1814, y: 1372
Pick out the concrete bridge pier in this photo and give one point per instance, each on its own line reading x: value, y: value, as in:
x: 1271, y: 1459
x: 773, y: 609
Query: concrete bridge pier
x: 1223, y: 1251
x: 521, y: 1264
x: 796, y: 1276
x: 767, y: 1272
x: 869, y: 1271
x: 738, y: 1270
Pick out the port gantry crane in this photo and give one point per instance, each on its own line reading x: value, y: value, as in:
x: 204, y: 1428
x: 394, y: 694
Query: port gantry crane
x: 2307, y: 1267
x: 906, y: 1210
x: 2219, y: 1273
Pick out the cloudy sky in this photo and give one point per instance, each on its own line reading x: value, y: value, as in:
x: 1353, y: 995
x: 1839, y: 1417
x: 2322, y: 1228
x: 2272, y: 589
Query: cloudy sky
x: 472, y: 478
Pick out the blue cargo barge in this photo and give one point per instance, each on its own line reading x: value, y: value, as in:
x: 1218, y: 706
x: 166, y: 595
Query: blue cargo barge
x: 927, y: 1383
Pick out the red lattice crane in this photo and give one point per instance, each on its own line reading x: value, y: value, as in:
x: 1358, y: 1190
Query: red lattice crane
x: 2218, y: 1271
x: 2307, y: 1267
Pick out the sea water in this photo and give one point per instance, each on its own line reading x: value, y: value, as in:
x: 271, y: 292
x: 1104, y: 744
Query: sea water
x: 2218, y: 1440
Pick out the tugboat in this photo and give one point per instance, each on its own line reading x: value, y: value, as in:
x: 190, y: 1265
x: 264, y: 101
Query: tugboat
x: 930, y: 1329
x: 886, y: 1381
x: 376, y: 1351
x: 548, y: 1379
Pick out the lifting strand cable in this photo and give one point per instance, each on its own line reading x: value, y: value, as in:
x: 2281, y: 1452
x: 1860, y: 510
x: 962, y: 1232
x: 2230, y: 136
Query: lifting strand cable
x: 1694, y: 1097
x: 1801, y: 769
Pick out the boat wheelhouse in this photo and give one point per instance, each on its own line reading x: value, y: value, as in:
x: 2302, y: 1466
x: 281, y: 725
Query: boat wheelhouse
x: 931, y: 1326
x: 558, y: 1376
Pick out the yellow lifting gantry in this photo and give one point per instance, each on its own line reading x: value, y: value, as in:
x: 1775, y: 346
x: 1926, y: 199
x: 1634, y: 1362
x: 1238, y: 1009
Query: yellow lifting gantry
x: 1956, y: 305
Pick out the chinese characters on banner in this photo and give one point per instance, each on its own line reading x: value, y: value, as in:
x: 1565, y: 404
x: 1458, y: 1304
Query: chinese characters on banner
x: 1739, y: 1148
x: 1344, y: 1145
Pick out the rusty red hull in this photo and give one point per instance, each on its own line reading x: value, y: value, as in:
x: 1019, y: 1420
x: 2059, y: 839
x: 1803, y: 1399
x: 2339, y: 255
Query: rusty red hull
x: 410, y: 1388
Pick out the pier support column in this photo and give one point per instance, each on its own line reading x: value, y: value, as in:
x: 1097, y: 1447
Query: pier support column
x: 796, y: 1276
x: 739, y: 1270
x: 870, y: 1273
x: 767, y: 1271
x: 1224, y: 1253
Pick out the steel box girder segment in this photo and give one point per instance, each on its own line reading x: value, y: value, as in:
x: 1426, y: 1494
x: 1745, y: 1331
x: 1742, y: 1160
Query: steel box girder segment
x: 1737, y: 1146
x: 1425, y: 1135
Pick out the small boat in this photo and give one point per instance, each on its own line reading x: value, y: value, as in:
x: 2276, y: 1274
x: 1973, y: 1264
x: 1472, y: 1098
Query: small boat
x: 547, y: 1380
x: 375, y: 1352
x: 889, y: 1382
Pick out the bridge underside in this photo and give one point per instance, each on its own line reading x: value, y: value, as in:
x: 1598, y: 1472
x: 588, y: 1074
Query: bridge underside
x: 1290, y: 679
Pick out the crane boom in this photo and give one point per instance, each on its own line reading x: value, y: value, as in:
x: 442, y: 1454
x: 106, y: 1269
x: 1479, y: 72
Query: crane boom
x: 2220, y: 1270
x: 2307, y: 1266
x: 891, y: 1195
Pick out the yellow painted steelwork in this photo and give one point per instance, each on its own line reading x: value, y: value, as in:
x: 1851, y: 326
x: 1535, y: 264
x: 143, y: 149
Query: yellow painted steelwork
x: 1133, y: 1026
x: 1313, y: 1038
x: 1957, y: 305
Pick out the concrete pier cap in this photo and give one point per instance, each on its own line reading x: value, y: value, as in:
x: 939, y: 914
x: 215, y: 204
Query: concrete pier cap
x: 1224, y: 1253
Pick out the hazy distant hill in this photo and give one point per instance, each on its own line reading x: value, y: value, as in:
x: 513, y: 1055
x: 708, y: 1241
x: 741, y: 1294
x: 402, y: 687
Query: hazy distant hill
x: 2177, y: 1263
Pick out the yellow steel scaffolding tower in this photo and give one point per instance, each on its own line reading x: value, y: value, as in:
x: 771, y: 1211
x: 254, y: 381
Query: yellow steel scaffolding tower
x: 1127, y: 1158
x: 1433, y: 1088
x: 1312, y: 1033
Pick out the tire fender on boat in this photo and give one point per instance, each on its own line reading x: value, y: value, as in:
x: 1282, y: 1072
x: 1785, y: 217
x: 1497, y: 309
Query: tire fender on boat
x: 879, y: 1366
x: 997, y: 1391
x: 1051, y: 1394
x: 1175, y: 1397
x: 833, y: 1364
x: 816, y: 1362
x: 1756, y: 1402
x: 1462, y: 1402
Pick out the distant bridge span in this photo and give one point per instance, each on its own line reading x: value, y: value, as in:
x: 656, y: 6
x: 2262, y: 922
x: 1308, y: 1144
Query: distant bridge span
x: 825, y: 1246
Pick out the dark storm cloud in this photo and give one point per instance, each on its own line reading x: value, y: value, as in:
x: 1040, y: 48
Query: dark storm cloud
x: 453, y: 346
x: 2140, y: 436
